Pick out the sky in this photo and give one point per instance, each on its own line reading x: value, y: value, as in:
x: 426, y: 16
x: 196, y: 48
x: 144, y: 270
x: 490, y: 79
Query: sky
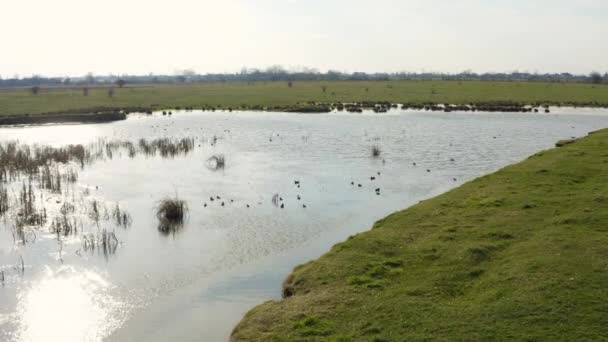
x: 74, y: 37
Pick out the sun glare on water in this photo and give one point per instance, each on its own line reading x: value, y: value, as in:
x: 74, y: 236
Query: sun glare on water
x: 67, y: 305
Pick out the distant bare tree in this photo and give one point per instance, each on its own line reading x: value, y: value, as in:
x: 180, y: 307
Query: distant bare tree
x: 120, y: 83
x: 596, y: 78
x: 35, y: 90
x: 89, y: 78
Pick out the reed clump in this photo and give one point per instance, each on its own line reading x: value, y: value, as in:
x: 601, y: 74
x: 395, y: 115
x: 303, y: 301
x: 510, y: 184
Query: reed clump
x: 171, y: 210
x: 4, y: 203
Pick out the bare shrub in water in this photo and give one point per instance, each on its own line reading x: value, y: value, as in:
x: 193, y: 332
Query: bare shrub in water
x: 171, y: 213
x: 376, y: 151
x: 216, y: 162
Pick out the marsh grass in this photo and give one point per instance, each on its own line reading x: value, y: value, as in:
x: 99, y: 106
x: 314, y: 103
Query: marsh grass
x: 4, y: 201
x: 30, y: 172
x: 103, y: 241
x: 121, y: 218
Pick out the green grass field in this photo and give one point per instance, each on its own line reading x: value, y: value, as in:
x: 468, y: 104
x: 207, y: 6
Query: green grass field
x: 277, y: 95
x: 521, y: 254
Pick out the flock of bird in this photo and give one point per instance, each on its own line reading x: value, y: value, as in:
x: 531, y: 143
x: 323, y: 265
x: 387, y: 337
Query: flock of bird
x: 278, y: 201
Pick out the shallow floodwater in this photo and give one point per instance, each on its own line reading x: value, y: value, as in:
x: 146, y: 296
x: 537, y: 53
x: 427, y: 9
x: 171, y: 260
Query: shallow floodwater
x: 194, y: 284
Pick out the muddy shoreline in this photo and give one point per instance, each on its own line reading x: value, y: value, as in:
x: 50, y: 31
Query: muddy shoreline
x: 62, y: 118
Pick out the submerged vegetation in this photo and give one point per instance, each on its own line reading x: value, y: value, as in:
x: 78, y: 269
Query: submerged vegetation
x: 43, y: 162
x: 216, y: 162
x: 39, y: 194
x: 519, y: 254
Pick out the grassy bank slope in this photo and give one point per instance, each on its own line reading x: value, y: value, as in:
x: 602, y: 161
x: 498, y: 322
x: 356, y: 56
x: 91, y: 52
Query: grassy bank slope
x: 278, y: 94
x: 519, y: 254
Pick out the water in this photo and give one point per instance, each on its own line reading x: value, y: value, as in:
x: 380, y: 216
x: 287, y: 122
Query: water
x: 197, y: 282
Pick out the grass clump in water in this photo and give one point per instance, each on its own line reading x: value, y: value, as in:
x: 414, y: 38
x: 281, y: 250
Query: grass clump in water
x: 172, y: 209
x: 171, y: 213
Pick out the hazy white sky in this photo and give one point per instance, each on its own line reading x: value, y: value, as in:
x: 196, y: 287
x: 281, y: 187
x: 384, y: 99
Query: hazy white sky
x: 73, y: 37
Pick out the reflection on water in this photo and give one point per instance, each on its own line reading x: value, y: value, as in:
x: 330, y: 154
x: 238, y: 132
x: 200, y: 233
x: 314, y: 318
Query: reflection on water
x: 67, y: 304
x: 266, y: 191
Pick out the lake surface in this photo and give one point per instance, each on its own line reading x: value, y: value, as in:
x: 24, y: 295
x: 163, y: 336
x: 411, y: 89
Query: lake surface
x: 195, y: 283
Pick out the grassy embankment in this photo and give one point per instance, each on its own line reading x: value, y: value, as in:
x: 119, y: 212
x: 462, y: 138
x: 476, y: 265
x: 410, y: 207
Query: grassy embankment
x: 278, y: 96
x: 521, y: 254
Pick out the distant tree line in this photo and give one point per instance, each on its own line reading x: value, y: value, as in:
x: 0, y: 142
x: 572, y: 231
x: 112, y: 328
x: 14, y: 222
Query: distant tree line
x: 278, y: 73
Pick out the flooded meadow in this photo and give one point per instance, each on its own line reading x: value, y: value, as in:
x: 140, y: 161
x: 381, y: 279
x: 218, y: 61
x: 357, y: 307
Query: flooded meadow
x: 172, y: 226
